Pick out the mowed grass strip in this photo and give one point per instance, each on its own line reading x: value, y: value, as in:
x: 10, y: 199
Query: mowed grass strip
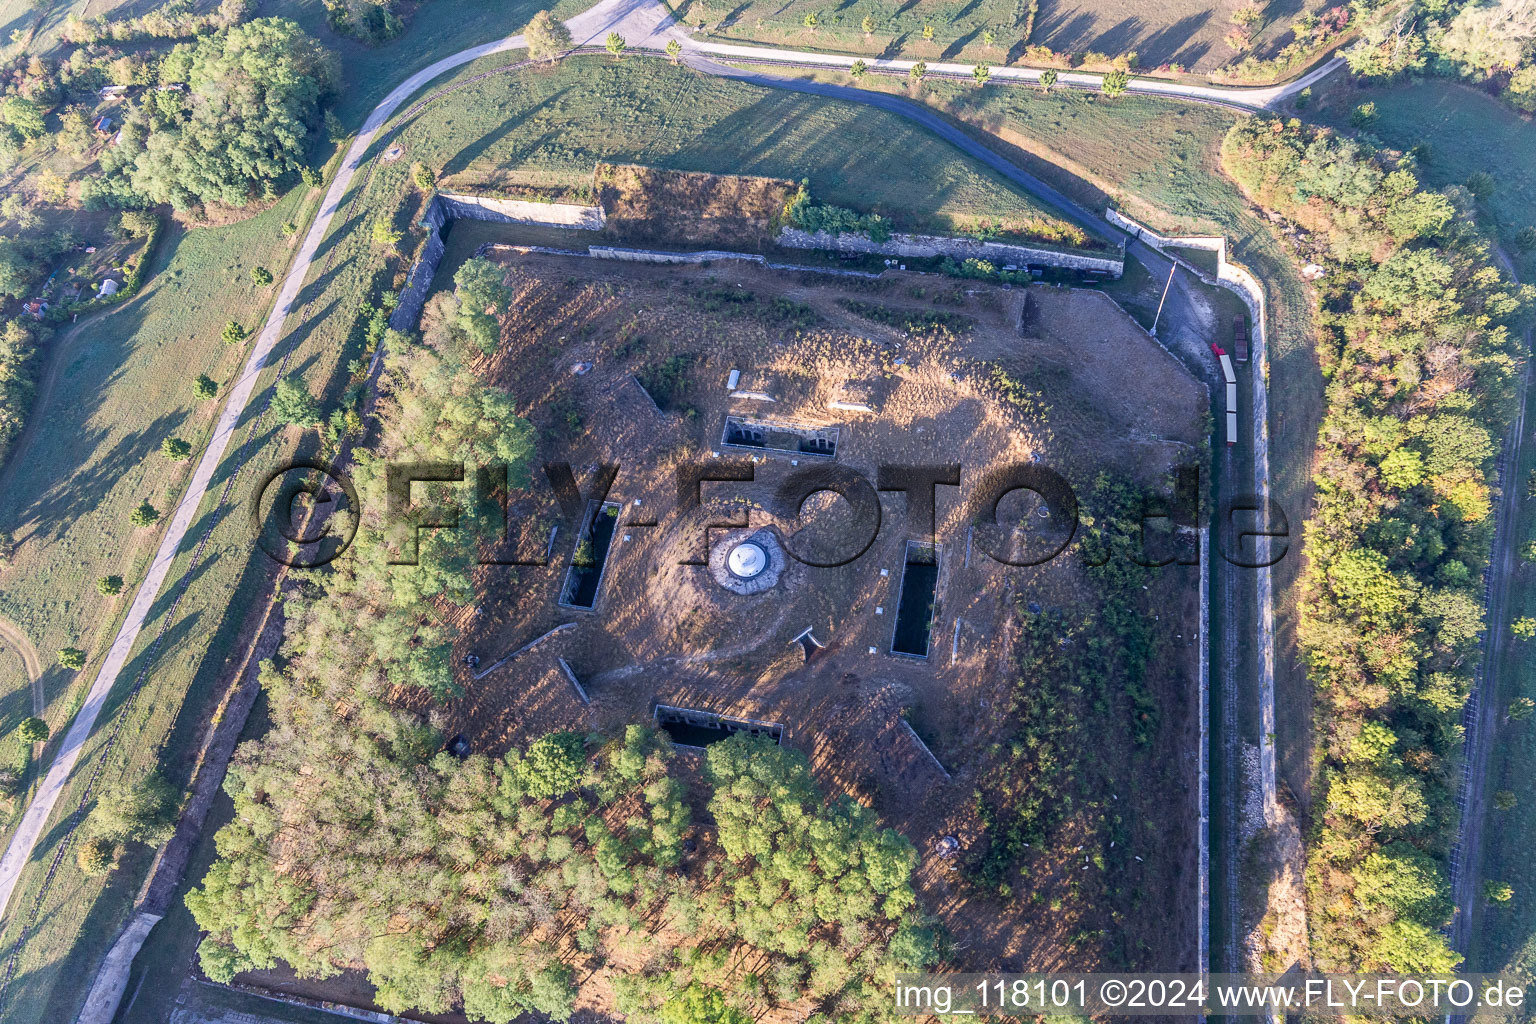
x: 1190, y: 33
x: 1504, y: 934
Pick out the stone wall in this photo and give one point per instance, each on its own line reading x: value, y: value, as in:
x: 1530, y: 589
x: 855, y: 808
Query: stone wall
x: 1239, y: 281
x: 929, y: 246
x: 450, y: 206
x: 520, y: 211
x: 611, y: 252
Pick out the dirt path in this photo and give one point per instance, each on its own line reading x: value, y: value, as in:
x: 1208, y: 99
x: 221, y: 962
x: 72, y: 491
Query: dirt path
x: 1482, y: 719
x: 18, y: 642
x: 56, y: 360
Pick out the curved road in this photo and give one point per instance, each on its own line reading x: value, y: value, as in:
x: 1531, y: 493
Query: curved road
x: 647, y: 26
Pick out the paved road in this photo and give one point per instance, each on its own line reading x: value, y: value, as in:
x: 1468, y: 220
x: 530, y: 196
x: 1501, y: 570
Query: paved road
x: 1250, y: 99
x: 646, y: 25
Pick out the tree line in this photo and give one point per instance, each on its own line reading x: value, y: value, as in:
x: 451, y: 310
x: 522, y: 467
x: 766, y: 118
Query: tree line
x: 1421, y: 367
x: 1493, y: 43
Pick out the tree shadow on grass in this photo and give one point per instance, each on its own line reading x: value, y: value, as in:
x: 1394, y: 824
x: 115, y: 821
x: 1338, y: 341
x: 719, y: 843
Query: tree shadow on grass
x: 76, y: 494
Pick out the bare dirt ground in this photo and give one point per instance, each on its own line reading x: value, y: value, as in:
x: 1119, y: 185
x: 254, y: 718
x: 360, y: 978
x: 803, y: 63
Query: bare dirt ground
x: 1089, y: 393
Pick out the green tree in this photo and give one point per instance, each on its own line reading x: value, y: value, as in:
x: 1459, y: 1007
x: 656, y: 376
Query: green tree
x: 233, y: 333
x: 700, y: 1004
x: 24, y: 117
x: 547, y: 37
x: 1524, y: 627
x: 1498, y: 892
x: 109, y: 586
x: 134, y: 811
x: 175, y: 449
x: 811, y: 20
x: 1505, y: 800
x: 261, y: 276
x: 292, y: 403
x: 72, y: 658
x: 32, y: 730
x: 243, y: 124
x: 858, y: 69
x: 76, y: 136
x: 1519, y: 709
x: 981, y: 72
x: 145, y: 515
x: 615, y: 45
x: 674, y: 50
x: 988, y: 38
x: 868, y: 25
x: 552, y: 767
x: 482, y: 298
x: 1115, y: 82
x: 928, y: 33
x: 384, y: 234
x: 918, y: 72
x: 204, y: 387
x: 1048, y: 79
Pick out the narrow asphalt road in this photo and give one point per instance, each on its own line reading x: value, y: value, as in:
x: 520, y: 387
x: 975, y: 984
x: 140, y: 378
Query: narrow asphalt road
x: 646, y: 25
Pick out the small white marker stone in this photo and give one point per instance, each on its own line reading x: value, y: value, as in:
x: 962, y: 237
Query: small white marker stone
x: 871, y: 650
x: 885, y: 572
x: 879, y: 610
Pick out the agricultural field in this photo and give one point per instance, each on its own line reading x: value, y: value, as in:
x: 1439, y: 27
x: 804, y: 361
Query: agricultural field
x: 1189, y: 36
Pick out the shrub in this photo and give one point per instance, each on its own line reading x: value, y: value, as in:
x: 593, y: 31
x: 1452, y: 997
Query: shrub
x: 233, y: 333
x: 109, y: 586
x: 145, y: 515
x: 204, y: 387
x: 32, y: 730
x: 72, y: 658
x: 262, y: 276
x: 547, y: 38
x: 175, y: 449
x: 95, y: 857
x: 292, y: 403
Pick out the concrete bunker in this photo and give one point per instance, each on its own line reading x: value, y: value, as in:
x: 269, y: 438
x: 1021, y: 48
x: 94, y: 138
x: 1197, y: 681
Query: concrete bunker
x: 590, y: 558
x: 913, y: 633
x: 780, y: 437
x: 690, y: 727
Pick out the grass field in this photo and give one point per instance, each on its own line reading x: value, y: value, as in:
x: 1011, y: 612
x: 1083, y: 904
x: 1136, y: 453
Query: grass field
x: 548, y: 127
x: 1187, y: 33
x: 112, y: 388
x: 1462, y: 131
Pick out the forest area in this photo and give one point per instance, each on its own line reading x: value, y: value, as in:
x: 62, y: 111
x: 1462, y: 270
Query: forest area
x: 1420, y: 352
